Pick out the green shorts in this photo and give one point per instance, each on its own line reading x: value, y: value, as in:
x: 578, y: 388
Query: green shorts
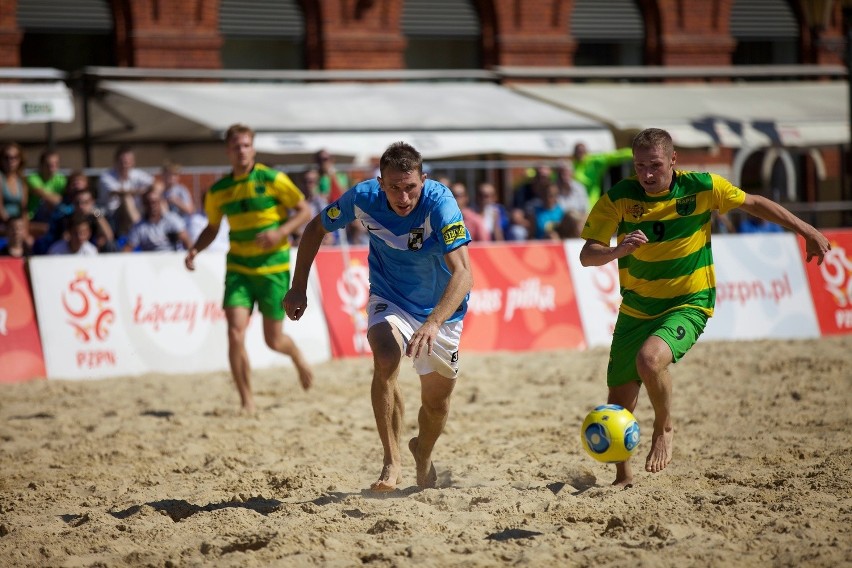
x: 267, y: 290
x: 679, y: 329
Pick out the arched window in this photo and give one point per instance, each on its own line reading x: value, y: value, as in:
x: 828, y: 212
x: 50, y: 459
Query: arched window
x: 766, y: 32
x: 262, y: 34
x: 608, y: 33
x: 66, y: 34
x: 441, y: 34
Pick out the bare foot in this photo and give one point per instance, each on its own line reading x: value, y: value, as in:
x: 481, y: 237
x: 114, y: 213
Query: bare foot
x: 426, y: 475
x: 623, y: 475
x: 306, y: 374
x: 388, y: 480
x: 247, y: 407
x: 248, y: 412
x: 661, y: 451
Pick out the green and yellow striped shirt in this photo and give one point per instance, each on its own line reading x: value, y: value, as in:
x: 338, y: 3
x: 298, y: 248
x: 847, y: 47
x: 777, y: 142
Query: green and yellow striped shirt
x: 256, y: 202
x: 675, y: 268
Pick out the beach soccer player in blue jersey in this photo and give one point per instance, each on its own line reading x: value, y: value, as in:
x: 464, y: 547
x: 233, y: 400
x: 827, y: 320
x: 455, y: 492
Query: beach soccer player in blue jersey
x: 420, y: 280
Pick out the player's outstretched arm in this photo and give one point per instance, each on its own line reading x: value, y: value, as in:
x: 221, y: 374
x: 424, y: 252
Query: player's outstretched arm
x: 202, y: 242
x: 816, y: 244
x: 296, y: 299
x: 300, y: 215
x: 460, y: 283
x: 596, y: 253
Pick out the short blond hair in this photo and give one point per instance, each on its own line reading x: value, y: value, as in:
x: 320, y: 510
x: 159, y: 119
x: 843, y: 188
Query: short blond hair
x: 652, y: 138
x: 237, y: 129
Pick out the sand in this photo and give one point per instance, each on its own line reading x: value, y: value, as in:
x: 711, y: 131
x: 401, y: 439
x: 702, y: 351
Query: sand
x: 163, y: 471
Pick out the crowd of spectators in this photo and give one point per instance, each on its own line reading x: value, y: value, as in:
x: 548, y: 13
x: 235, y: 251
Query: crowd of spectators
x: 49, y: 212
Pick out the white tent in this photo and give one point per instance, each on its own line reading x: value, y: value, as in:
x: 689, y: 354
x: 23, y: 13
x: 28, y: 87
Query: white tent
x: 733, y: 115
x: 26, y: 103
x: 441, y: 119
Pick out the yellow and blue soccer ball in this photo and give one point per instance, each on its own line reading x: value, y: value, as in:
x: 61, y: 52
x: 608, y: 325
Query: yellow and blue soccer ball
x: 610, y: 433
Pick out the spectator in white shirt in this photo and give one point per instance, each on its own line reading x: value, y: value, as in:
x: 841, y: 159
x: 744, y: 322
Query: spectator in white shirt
x: 573, y: 199
x: 75, y: 240
x: 120, y: 190
x: 160, y: 229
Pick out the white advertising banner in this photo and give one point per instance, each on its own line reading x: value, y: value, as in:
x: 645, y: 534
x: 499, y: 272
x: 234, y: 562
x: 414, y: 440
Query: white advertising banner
x: 761, y: 290
x: 130, y: 314
x: 598, y: 294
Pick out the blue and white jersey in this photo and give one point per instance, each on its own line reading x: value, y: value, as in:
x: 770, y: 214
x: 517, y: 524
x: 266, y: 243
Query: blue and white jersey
x: 406, y: 255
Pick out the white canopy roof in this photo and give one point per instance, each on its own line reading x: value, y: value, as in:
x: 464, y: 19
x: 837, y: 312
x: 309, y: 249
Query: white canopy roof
x: 22, y: 103
x: 441, y: 119
x: 796, y: 114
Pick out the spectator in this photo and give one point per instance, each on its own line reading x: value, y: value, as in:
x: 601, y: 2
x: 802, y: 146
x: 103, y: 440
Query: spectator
x: 46, y: 187
x: 519, y: 225
x: 78, y: 199
x: 533, y: 189
x: 548, y: 214
x: 356, y: 234
x: 14, y: 188
x: 316, y: 202
x: 159, y: 229
x: 177, y: 196
x: 590, y: 169
x: 374, y: 166
x: 573, y: 200
x: 57, y: 222
x: 75, y: 240
x: 16, y: 244
x: 332, y: 183
x: 120, y: 190
x: 83, y: 201
x: 526, y: 198
x: 473, y: 221
x: 311, y: 190
x: 721, y: 223
x: 493, y: 213
x: 753, y: 224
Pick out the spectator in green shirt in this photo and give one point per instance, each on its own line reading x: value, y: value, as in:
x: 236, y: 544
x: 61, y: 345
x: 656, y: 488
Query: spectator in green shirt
x: 332, y: 183
x: 590, y: 169
x: 47, y: 186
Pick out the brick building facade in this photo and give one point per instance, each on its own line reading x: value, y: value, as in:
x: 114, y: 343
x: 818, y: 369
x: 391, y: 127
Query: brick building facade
x: 377, y: 35
x: 368, y: 34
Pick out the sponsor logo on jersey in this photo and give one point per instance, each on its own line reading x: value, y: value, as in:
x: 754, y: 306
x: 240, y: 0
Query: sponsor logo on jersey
x: 636, y: 210
x: 454, y: 232
x: 685, y: 206
x: 380, y: 308
x: 333, y: 212
x: 415, y: 239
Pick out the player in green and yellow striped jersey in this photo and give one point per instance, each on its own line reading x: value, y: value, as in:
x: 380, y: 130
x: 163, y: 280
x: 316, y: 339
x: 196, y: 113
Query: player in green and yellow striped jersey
x: 258, y: 202
x: 661, y: 220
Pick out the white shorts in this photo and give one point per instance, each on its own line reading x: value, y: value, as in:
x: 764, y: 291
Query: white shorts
x: 445, y: 349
